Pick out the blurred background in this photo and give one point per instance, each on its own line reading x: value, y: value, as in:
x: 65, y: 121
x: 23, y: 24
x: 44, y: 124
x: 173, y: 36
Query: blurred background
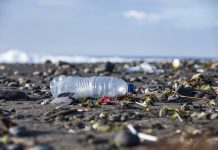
x: 187, y: 28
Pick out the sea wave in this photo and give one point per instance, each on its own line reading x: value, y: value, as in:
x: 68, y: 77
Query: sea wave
x: 17, y: 56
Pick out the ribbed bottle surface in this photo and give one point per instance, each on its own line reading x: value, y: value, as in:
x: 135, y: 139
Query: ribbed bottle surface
x: 82, y: 87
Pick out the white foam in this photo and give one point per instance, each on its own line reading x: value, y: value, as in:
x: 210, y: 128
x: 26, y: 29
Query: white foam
x: 14, y: 56
x: 17, y: 56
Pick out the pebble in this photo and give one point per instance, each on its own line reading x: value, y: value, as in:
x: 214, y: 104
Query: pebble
x: 14, y: 147
x: 106, y: 67
x: 213, y: 116
x: 37, y: 73
x: 114, y: 117
x: 199, y: 94
x: 208, y: 96
x: 50, y: 71
x: 126, y: 139
x: 41, y: 147
x: 46, y: 101
x: 213, y: 103
x: 16, y: 72
x: 12, y: 95
x: 87, y: 70
x: 12, y: 84
x: 62, y: 100
x: 18, y: 131
x: 124, y: 117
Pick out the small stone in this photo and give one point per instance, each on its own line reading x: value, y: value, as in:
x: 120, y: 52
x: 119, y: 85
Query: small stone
x: 213, y: 116
x: 124, y: 117
x: 50, y: 71
x: 16, y: 72
x: 12, y: 95
x: 14, y: 147
x: 102, y: 115
x: 114, y: 117
x: 126, y: 139
x: 87, y: 70
x: 41, y: 147
x: 158, y: 126
x: 201, y: 115
x: 48, y: 62
x: 46, y: 101
x: 62, y: 100
x: 199, y: 94
x: 12, y: 84
x: 18, y: 131
x: 213, y: 103
x: 108, y: 67
x: 172, y: 97
x: 37, y: 73
x: 208, y: 96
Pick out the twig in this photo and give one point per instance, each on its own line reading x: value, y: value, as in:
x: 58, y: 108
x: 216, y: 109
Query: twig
x: 141, y: 104
x: 178, y: 116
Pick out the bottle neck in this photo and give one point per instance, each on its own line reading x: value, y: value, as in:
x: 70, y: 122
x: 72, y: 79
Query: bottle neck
x: 130, y: 88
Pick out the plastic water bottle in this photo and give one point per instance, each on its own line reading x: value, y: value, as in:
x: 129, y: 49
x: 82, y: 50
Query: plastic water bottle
x: 95, y: 87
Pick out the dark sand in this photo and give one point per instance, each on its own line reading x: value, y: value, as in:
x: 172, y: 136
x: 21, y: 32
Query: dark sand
x: 198, y: 128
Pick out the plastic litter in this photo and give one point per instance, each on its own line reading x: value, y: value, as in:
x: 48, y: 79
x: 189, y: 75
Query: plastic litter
x: 143, y: 67
x: 142, y: 136
x: 176, y: 63
x: 95, y: 87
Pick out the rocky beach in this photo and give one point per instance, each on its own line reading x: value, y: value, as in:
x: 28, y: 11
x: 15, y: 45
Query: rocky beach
x: 174, y: 106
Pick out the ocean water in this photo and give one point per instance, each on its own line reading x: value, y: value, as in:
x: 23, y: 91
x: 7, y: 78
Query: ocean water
x: 17, y: 56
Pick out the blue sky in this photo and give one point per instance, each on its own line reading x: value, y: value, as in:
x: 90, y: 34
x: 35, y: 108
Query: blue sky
x: 112, y: 27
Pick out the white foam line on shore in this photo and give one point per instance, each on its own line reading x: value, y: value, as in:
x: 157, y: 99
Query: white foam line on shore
x: 16, y: 56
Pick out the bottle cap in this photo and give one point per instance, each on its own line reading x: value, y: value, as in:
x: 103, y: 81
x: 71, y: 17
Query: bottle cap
x: 130, y: 87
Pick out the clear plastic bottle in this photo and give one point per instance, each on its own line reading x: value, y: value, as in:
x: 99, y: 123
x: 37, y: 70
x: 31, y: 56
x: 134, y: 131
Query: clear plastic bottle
x: 95, y: 87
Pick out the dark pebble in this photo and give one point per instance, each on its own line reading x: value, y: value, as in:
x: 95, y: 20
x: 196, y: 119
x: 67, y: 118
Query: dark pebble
x: 108, y: 67
x: 114, y: 117
x: 80, y: 125
x: 186, y: 91
x: 158, y: 126
x: 12, y: 95
x: 199, y: 94
x: 126, y: 139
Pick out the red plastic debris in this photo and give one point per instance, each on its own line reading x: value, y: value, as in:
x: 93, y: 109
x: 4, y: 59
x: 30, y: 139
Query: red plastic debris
x: 105, y: 100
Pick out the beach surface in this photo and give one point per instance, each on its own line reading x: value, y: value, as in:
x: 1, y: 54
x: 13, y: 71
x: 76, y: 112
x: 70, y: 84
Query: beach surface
x: 177, y: 104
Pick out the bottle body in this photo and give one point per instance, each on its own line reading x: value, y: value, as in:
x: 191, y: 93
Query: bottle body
x: 95, y: 87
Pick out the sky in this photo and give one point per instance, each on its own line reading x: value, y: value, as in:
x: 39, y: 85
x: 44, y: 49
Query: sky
x: 112, y: 27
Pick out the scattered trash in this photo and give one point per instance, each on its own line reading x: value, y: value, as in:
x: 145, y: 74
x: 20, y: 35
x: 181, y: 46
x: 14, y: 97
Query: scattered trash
x: 94, y: 87
x: 126, y: 139
x: 144, y: 67
x: 176, y: 63
x: 142, y: 136
x: 105, y: 100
